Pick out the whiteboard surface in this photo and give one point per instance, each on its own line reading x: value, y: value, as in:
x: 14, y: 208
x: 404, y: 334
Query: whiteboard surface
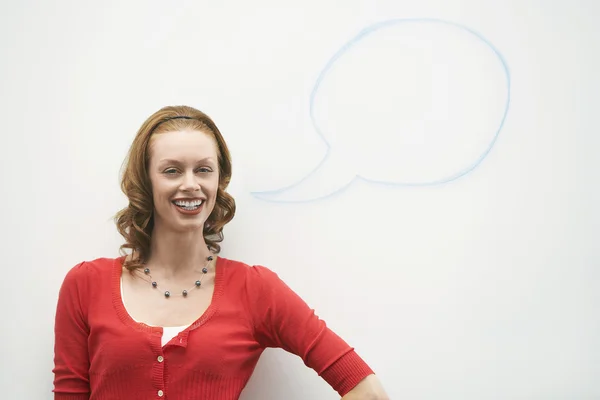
x: 425, y: 175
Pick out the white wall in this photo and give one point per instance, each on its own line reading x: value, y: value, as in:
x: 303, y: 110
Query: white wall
x: 470, y: 271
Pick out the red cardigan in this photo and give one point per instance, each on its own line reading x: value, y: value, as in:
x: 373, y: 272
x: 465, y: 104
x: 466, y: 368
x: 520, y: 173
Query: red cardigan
x: 101, y: 353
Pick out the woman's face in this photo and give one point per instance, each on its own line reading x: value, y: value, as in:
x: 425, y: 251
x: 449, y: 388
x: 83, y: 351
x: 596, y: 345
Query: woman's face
x: 184, y: 172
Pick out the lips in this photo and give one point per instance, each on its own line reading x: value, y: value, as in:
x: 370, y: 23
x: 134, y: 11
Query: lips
x: 188, y: 207
x: 188, y: 204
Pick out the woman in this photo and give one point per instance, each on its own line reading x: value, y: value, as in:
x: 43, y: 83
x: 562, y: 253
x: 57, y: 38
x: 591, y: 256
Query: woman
x: 169, y: 318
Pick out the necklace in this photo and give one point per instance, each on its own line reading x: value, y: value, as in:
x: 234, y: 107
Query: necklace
x: 184, y: 292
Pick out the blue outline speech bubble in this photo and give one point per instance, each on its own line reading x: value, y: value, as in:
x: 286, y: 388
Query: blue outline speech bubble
x: 265, y: 195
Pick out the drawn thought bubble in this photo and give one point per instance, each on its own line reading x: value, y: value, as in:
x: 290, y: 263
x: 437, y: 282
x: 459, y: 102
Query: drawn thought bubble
x: 406, y: 102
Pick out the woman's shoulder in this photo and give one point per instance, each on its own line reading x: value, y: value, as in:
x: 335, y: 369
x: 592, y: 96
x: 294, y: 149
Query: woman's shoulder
x: 247, y: 271
x: 255, y: 279
x: 92, y: 269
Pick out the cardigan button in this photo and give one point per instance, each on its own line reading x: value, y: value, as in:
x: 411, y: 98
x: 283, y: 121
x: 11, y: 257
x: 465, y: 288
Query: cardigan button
x: 160, y: 393
x: 160, y: 358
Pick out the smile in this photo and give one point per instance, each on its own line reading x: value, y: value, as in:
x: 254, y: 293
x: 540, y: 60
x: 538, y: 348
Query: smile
x: 188, y: 207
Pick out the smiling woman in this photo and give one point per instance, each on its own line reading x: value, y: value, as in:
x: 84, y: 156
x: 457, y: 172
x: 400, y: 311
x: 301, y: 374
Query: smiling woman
x: 175, y: 181
x: 194, y: 322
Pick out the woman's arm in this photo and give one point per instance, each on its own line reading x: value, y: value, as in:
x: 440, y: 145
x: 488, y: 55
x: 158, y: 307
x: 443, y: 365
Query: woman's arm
x: 368, y: 389
x: 283, y: 319
x: 71, y: 359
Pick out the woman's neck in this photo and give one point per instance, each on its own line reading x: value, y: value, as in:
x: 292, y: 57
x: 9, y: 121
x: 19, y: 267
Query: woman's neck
x: 176, y: 253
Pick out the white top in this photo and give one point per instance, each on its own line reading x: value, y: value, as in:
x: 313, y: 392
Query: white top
x: 169, y: 332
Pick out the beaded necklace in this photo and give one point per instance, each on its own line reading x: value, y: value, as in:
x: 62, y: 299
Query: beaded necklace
x: 184, y: 292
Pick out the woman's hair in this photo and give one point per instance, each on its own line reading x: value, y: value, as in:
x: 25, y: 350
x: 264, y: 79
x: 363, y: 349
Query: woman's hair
x: 135, y: 222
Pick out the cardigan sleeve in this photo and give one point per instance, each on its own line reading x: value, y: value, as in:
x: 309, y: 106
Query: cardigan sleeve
x: 71, y: 359
x: 283, y: 320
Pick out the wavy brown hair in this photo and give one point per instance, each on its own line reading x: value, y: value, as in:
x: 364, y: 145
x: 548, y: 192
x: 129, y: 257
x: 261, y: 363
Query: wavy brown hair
x: 136, y: 221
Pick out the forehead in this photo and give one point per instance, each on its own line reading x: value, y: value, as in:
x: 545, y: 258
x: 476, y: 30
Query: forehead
x: 182, y: 145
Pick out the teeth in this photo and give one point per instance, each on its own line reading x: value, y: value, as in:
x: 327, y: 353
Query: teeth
x: 194, y: 203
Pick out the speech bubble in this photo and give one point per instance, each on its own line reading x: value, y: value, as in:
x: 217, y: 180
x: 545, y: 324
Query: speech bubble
x: 406, y: 102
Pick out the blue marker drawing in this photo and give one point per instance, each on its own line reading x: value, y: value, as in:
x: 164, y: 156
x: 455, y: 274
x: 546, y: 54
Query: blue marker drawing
x: 406, y: 102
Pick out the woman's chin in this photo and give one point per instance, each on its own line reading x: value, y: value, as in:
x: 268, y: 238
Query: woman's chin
x: 190, y: 226
x: 182, y: 226
x: 182, y: 223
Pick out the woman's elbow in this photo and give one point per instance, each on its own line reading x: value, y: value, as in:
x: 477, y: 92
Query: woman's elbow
x: 368, y: 389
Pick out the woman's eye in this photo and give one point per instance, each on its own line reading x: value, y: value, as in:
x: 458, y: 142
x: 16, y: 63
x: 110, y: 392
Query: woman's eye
x: 173, y: 171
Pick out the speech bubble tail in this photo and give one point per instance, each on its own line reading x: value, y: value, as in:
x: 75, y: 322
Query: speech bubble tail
x: 331, y: 176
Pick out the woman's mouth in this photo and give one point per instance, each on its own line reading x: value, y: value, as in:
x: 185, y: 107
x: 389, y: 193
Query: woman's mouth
x: 188, y: 207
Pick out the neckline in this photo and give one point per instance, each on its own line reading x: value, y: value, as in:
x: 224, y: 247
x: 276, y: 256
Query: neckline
x: 140, y: 326
x: 180, y: 327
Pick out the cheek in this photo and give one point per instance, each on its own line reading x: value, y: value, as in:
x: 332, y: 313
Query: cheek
x: 211, y: 192
x: 212, y: 186
x: 161, y: 191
